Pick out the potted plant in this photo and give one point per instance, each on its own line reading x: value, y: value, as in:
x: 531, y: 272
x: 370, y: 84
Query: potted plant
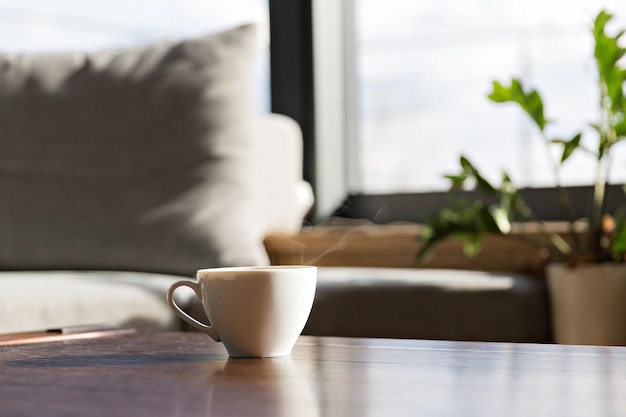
x: 586, y: 273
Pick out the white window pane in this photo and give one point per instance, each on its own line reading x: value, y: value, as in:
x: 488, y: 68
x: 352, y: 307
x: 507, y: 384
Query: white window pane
x: 424, y: 71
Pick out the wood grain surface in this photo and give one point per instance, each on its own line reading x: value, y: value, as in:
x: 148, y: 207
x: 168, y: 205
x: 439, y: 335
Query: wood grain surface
x: 187, y: 374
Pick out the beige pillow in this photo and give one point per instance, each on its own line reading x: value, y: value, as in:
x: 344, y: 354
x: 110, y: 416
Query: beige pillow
x: 130, y: 159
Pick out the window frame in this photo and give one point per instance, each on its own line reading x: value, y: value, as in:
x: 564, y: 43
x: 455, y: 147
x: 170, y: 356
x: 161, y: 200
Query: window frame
x: 308, y: 70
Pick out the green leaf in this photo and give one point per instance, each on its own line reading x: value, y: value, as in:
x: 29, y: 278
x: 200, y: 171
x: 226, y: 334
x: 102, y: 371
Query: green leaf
x: 530, y: 101
x: 507, y: 186
x: 619, y: 244
x: 601, y: 20
x: 472, y: 246
x: 467, y: 166
x: 484, y: 184
x: 484, y: 219
x: 464, y: 220
x: 620, y: 129
x: 502, y: 219
x: 534, y: 107
x: 607, y: 53
x: 500, y: 93
x: 472, y: 172
x: 511, y: 203
x: 569, y: 146
x: 458, y: 181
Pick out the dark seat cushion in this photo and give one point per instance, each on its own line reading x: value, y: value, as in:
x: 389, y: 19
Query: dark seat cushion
x: 430, y: 304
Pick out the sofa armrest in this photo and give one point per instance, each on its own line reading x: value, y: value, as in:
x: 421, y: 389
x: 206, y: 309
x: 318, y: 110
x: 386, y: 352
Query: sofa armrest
x: 285, y: 198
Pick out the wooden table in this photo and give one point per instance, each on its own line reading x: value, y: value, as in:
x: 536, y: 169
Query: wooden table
x: 187, y: 374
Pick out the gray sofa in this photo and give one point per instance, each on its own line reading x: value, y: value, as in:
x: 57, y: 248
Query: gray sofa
x: 350, y: 301
x: 124, y: 171
x: 39, y: 298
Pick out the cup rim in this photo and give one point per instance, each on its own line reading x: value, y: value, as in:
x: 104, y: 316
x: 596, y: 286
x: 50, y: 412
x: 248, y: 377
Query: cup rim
x: 266, y: 268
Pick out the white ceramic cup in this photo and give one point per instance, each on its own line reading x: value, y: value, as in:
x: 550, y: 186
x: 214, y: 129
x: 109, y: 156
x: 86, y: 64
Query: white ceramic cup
x: 254, y: 311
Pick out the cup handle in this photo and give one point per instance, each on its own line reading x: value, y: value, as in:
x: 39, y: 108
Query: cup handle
x: 204, y: 328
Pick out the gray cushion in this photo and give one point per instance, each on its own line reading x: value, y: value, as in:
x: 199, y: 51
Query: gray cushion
x: 430, y: 304
x: 41, y: 300
x: 129, y: 159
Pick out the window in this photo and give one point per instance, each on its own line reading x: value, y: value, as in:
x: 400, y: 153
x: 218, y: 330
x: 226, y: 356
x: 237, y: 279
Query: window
x: 404, y: 94
x: 424, y: 70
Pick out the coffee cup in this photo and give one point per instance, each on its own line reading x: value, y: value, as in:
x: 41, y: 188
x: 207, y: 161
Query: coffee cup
x: 254, y: 311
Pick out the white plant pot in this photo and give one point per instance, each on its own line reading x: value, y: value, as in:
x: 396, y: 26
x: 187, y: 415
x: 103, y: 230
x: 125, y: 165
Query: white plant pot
x: 588, y: 303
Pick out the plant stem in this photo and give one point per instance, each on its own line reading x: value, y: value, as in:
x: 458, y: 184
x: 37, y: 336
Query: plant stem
x: 595, y: 220
x: 608, y: 136
x: 564, y: 199
x: 541, y: 243
x: 559, y: 244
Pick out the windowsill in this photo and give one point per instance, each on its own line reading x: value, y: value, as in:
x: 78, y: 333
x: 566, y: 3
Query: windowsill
x: 395, y: 246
